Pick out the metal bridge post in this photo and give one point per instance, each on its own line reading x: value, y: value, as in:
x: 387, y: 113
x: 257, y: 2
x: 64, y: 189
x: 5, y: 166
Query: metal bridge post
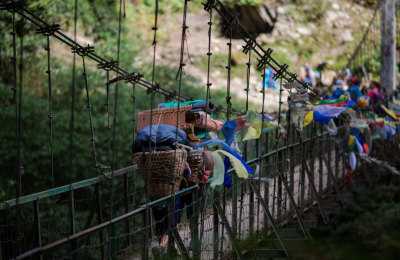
x: 336, y: 162
x: 302, y: 183
x: 234, y: 204
x: 258, y: 141
x: 266, y: 185
x: 321, y: 149
x: 195, y: 225
x: 329, y: 166
x: 180, y: 244
x: 216, y: 225
x: 271, y: 220
x: 71, y: 205
x: 37, y: 225
x: 344, y: 148
x: 334, y: 182
x: 145, y: 234
x: 312, y: 151
x: 292, y: 160
x: 294, y: 205
x: 228, y: 230
x: 251, y: 209
x: 126, y: 204
x: 279, y: 198
x: 314, y: 190
x: 99, y: 219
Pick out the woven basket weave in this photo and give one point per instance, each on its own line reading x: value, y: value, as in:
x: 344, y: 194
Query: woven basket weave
x: 161, y: 167
x: 195, y: 161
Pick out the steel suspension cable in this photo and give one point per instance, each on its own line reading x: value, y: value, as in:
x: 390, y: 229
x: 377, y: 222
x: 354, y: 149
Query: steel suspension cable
x: 171, y: 225
x: 278, y: 136
x: 228, y: 116
x: 136, y: 77
x: 247, y: 89
x: 19, y: 120
x: 115, y: 112
x: 71, y: 127
x: 258, y: 154
x: 111, y: 227
x: 107, y: 105
x: 133, y: 158
x: 89, y: 107
x: 50, y: 115
x: 265, y: 57
x: 154, y: 43
x: 370, y: 25
x: 208, y: 97
x: 21, y: 71
x: 17, y: 133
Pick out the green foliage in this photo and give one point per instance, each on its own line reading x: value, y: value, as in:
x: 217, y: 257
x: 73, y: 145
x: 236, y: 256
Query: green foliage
x: 243, y: 2
x: 366, y: 229
x: 371, y: 62
x: 36, y: 134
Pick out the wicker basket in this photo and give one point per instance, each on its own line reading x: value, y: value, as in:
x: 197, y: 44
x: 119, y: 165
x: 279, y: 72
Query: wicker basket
x: 195, y: 161
x: 161, y: 167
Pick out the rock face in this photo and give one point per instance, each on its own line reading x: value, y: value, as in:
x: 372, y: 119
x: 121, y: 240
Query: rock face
x: 304, y: 31
x: 255, y: 20
x: 347, y: 36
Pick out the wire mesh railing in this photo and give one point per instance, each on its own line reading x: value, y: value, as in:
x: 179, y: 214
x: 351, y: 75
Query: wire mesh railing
x: 111, y: 215
x: 44, y: 228
x: 366, y: 57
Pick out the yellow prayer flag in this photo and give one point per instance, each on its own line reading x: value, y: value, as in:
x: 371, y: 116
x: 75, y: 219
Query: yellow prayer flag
x: 389, y: 112
x: 352, y: 139
x: 308, y: 118
x: 253, y: 131
x: 236, y: 164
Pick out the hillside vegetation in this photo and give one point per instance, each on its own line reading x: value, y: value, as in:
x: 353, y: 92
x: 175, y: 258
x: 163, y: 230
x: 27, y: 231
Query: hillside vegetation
x: 306, y: 32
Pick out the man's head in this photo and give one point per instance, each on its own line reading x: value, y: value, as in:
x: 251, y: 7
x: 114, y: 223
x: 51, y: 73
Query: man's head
x: 357, y: 82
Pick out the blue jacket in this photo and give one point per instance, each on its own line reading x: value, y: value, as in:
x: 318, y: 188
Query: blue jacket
x: 355, y: 93
x: 337, y: 93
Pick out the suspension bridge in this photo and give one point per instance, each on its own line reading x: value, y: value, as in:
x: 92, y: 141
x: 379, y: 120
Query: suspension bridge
x: 300, y: 181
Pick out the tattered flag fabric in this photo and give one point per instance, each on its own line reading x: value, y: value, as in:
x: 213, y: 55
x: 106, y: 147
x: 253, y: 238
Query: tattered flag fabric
x: 226, y: 147
x: 228, y: 130
x: 237, y: 164
x: 308, y: 118
x: 218, y: 171
x: 253, y: 131
x: 352, y: 161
